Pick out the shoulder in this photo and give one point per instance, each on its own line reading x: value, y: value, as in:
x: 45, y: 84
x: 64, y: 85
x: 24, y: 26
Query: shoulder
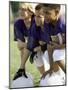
x: 62, y: 19
x: 18, y: 22
x: 62, y: 24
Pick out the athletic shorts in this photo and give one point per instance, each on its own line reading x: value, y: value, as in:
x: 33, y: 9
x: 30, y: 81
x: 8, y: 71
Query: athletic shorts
x: 59, y: 54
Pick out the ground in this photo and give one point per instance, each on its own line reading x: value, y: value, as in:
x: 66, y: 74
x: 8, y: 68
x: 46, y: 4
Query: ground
x: 15, y: 60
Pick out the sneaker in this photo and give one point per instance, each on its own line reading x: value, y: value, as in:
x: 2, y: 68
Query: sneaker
x: 19, y: 73
x: 31, y: 57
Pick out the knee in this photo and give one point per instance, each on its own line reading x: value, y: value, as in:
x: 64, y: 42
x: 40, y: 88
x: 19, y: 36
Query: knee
x: 55, y: 66
x: 20, y: 47
x: 26, y: 50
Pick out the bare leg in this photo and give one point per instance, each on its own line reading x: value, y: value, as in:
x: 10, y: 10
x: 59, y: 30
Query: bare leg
x: 41, y: 69
x: 62, y: 65
x: 24, y: 56
x: 55, y: 67
x: 50, y: 55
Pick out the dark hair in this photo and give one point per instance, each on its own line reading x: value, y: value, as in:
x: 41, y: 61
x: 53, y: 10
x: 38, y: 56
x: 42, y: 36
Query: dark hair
x: 52, y: 6
x: 38, y: 7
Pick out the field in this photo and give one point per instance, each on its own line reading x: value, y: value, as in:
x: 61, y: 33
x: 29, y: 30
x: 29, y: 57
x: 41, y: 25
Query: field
x: 15, y: 61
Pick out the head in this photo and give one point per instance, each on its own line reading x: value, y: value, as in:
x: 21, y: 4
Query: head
x: 39, y: 17
x: 26, y: 10
x: 30, y: 10
x: 51, y: 12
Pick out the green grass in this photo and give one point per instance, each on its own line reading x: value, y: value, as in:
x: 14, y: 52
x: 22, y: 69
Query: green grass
x: 15, y: 61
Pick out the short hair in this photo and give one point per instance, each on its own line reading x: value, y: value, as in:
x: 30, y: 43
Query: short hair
x: 52, y: 6
x: 38, y: 7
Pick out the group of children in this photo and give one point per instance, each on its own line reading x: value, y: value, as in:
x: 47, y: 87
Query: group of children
x: 41, y: 35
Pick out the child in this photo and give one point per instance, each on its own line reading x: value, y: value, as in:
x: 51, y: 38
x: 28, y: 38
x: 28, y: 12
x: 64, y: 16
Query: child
x: 40, y: 36
x: 56, y: 28
x: 36, y: 57
x: 22, y: 29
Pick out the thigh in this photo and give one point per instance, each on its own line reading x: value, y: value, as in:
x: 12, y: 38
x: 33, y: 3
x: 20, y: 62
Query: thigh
x: 21, y: 44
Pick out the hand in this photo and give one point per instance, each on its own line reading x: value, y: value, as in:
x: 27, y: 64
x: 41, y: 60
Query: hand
x: 55, y: 39
x: 41, y: 42
x: 37, y: 49
x: 45, y: 73
x: 53, y: 45
x: 57, y: 46
x: 21, y: 44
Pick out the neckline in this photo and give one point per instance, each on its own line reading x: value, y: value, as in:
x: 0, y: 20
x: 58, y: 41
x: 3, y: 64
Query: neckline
x: 30, y: 25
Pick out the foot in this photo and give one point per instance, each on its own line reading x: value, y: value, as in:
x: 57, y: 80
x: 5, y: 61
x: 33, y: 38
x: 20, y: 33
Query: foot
x: 19, y: 73
x: 32, y: 56
x: 45, y: 73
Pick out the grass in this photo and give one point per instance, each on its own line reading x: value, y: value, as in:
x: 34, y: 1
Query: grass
x: 15, y: 61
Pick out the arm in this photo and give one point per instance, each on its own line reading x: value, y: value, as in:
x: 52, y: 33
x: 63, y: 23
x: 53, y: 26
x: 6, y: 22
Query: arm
x: 50, y: 54
x: 57, y: 46
x: 60, y: 39
x: 37, y: 49
x: 42, y: 46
